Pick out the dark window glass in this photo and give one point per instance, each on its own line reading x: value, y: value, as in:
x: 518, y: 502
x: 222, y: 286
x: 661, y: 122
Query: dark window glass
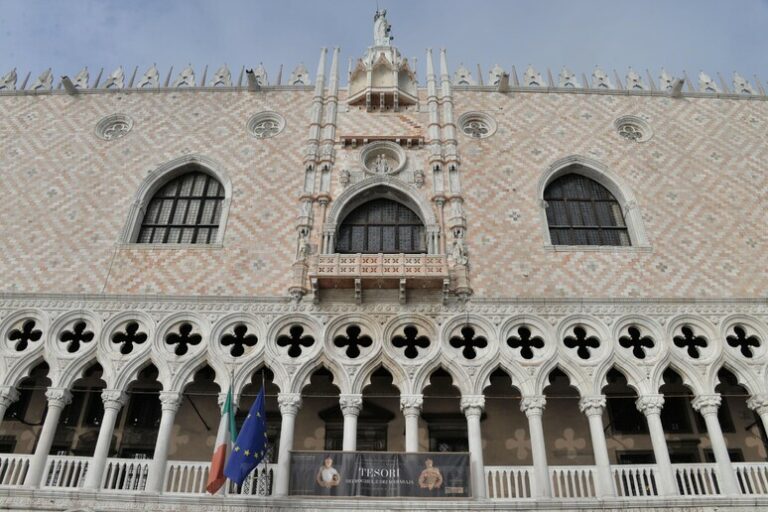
x: 185, y: 210
x: 624, y: 416
x: 381, y: 226
x: 675, y: 416
x: 580, y: 211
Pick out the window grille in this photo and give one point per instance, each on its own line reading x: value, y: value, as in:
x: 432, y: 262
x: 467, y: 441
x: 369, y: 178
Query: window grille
x: 186, y: 210
x: 381, y: 226
x: 580, y: 211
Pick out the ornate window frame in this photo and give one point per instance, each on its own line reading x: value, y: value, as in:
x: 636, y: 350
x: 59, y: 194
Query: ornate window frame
x: 376, y: 187
x: 156, y: 180
x: 600, y: 173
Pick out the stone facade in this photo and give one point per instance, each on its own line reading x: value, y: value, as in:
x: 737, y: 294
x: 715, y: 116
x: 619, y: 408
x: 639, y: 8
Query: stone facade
x: 79, y: 165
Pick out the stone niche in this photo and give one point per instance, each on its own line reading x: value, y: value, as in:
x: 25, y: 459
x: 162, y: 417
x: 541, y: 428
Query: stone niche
x: 382, y: 158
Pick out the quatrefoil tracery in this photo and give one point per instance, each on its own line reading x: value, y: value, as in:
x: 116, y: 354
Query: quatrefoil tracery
x: 525, y: 342
x: 295, y: 340
x: 239, y: 339
x: 468, y: 342
x: 637, y: 342
x: 129, y: 338
x: 582, y: 343
x: 353, y: 341
x: 23, y: 336
x: 743, y: 342
x: 183, y: 339
x: 412, y: 342
x: 690, y: 342
x: 73, y: 338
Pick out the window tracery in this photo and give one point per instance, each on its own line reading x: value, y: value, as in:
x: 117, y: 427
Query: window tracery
x: 381, y: 226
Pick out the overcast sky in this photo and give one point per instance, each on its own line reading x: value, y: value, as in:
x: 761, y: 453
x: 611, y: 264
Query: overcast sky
x: 709, y: 35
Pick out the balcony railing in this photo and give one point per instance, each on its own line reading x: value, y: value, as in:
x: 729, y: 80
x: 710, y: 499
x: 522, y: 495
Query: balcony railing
x: 635, y: 480
x: 342, y: 269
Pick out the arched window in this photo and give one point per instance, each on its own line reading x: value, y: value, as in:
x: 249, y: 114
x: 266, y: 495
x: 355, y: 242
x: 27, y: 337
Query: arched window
x: 186, y: 210
x: 580, y: 211
x: 381, y: 226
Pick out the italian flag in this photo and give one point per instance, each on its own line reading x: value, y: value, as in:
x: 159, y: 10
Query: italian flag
x: 224, y: 439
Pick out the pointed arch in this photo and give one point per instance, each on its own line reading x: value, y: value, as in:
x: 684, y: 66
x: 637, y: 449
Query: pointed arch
x: 243, y: 374
x: 376, y: 187
x: 581, y: 383
x: 187, y: 374
x: 600, y: 173
x: 519, y: 378
x: 303, y: 376
x: 21, y: 369
x: 132, y: 370
x: 162, y: 175
x: 461, y: 380
x: 635, y: 379
x: 745, y: 376
x: 399, y: 378
x: 686, y: 372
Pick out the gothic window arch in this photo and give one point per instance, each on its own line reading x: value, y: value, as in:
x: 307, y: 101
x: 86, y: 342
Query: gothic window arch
x: 381, y: 225
x: 586, y: 205
x: 185, y: 201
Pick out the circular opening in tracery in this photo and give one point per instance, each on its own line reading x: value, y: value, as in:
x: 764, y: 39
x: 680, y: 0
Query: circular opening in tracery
x: 265, y: 125
x: 114, y: 126
x: 633, y: 129
x: 477, y: 125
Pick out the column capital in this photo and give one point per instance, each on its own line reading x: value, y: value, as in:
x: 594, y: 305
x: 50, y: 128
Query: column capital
x: 759, y: 403
x: 58, y: 396
x: 170, y: 400
x: 351, y: 404
x: 533, y: 405
x: 289, y: 403
x: 113, y: 398
x: 707, y: 404
x: 411, y: 404
x: 8, y: 395
x: 592, y: 405
x: 472, y: 405
x: 650, y: 404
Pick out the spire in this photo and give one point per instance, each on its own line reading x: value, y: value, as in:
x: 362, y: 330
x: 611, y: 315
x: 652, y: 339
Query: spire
x: 320, y: 80
x: 443, y: 66
x: 333, y: 87
x: 430, y: 65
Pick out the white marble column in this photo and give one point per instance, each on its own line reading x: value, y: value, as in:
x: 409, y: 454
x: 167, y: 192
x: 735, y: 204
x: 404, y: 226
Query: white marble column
x: 114, y: 400
x: 58, y: 398
x: 759, y: 403
x: 472, y: 406
x: 170, y: 402
x: 351, y: 405
x: 411, y: 407
x: 650, y: 406
x: 593, y: 407
x: 533, y: 407
x: 289, y: 403
x: 8, y: 395
x: 708, y: 405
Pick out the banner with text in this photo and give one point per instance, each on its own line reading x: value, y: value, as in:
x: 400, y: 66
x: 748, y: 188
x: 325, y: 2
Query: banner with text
x: 380, y: 474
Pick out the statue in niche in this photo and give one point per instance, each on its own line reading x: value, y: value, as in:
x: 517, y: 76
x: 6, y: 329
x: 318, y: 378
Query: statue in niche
x: 344, y: 177
x: 381, y: 28
x: 418, y: 178
x: 459, y: 249
x: 304, y: 248
x: 382, y: 165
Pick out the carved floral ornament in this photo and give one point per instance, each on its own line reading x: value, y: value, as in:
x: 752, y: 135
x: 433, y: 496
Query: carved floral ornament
x: 383, y: 158
x: 477, y: 125
x: 114, y: 127
x: 633, y: 129
x: 265, y: 125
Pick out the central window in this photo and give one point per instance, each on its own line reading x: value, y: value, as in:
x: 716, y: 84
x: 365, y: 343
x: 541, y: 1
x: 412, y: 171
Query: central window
x: 381, y: 226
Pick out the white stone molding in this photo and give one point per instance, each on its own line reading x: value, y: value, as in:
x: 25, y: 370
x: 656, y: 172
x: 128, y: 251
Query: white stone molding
x: 8, y: 81
x: 16, y: 320
x: 477, y: 125
x: 8, y: 395
x: 117, y: 324
x: 222, y: 77
x: 412, y: 404
x: 538, y: 328
x: 707, y: 84
x: 186, y: 78
x: 265, y: 125
x: 633, y: 128
x: 707, y: 404
x: 338, y: 328
x: 170, y: 400
x: 44, y: 81
x: 594, y: 170
x: 162, y: 175
x: 472, y: 405
x: 424, y: 325
x: 225, y: 326
x: 532, y: 78
x: 116, y: 80
x: 752, y: 327
x: 81, y: 79
x: 300, y: 76
x: 593, y: 327
x: 170, y: 325
x: 648, y: 327
x: 113, y: 127
x: 567, y: 79
x: 58, y: 397
x: 151, y: 78
x: 482, y: 327
x: 701, y: 327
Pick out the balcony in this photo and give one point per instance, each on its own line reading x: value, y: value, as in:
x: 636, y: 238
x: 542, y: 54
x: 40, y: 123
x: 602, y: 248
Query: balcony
x: 380, y: 271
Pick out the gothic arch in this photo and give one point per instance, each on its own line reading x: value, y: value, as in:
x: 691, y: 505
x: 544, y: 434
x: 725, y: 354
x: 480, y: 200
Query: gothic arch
x: 363, y: 378
x: 132, y: 370
x: 600, y: 173
x: 375, y: 187
x: 243, y: 375
x: 461, y: 380
x: 634, y: 378
x: 20, y: 370
x: 159, y: 177
x: 303, y: 376
x: 187, y: 373
x: 520, y: 380
x: 577, y: 380
x: 746, y: 377
x: 684, y: 370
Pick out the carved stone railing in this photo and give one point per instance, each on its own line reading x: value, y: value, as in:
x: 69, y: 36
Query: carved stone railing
x: 358, y: 271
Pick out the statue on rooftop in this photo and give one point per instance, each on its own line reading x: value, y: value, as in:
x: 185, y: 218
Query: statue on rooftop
x: 381, y: 28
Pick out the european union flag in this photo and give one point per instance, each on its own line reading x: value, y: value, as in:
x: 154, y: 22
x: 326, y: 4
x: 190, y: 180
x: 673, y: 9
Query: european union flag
x: 251, y: 444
